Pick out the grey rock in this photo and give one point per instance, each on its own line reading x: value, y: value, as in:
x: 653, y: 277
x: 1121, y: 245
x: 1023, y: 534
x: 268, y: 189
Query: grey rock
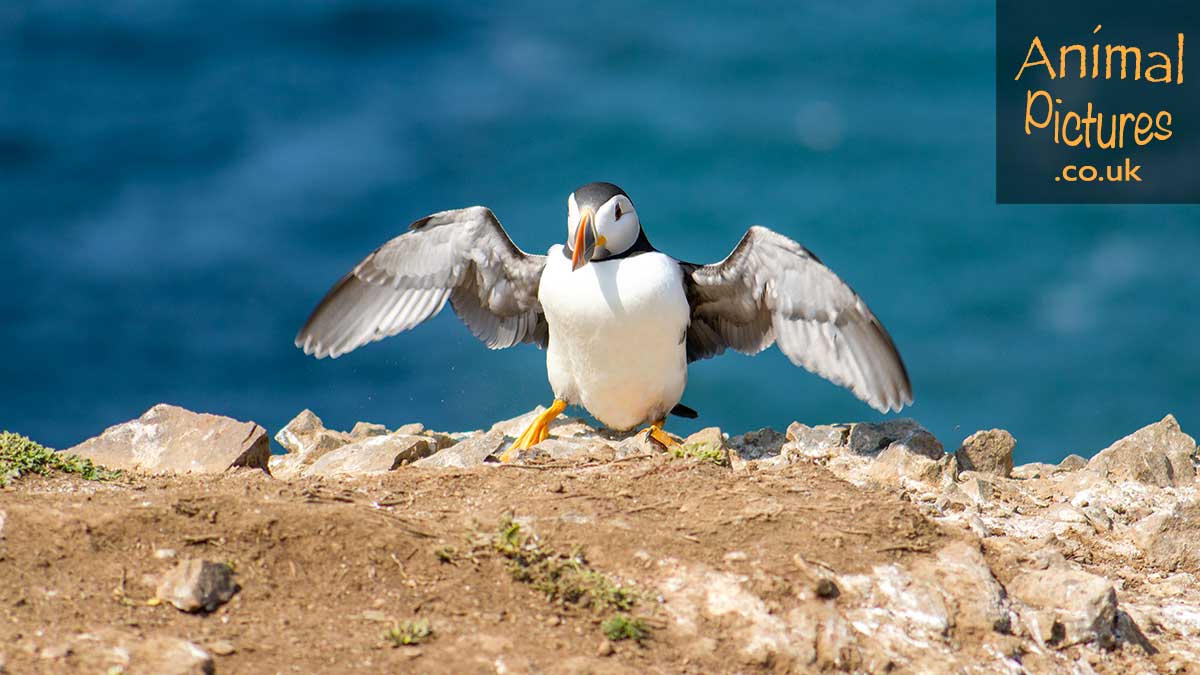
x: 988, y: 452
x: 373, y: 454
x: 872, y: 438
x: 710, y: 436
x: 112, y: 650
x: 1168, y: 538
x: 559, y: 427
x: 515, y: 425
x: 306, y: 439
x: 566, y: 448
x: 170, y: 656
x: 633, y: 445
x: 58, y: 651
x: 953, y: 498
x: 974, y: 598
x: 979, y: 490
x: 196, y: 585
x: 470, y: 452
x: 168, y: 438
x: 368, y: 429
x: 759, y: 444
x: 1033, y: 470
x: 949, y: 464
x: 314, y: 450
x: 817, y: 442
x: 1072, y: 463
x: 307, y: 436
x: 1069, y: 518
x: 897, y: 463
x: 1158, y: 454
x: 1069, y: 606
x: 412, y: 429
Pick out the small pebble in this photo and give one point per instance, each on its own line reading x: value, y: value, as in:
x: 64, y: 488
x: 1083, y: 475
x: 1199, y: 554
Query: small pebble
x: 222, y: 648
x: 374, y: 615
x: 826, y: 588
x: 55, y: 652
x: 606, y: 649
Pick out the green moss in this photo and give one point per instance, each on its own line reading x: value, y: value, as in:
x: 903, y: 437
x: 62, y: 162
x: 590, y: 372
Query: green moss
x: 563, y: 577
x: 409, y: 632
x: 705, y: 452
x: 624, y: 627
x: 446, y: 554
x: 20, y: 456
x: 567, y: 578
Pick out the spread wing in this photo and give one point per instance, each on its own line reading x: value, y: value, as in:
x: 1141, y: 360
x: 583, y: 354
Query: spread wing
x: 771, y: 289
x: 463, y: 256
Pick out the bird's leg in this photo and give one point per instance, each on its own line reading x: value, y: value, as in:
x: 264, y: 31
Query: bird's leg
x: 655, y: 433
x: 537, y: 431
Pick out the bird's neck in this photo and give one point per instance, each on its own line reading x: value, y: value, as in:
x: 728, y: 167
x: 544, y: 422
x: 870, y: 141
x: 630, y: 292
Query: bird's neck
x: 642, y: 245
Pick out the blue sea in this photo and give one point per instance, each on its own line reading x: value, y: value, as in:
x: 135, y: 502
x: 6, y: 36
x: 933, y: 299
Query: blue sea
x: 181, y: 182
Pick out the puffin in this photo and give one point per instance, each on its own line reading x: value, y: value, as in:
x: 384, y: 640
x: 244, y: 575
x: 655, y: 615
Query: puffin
x: 619, y: 320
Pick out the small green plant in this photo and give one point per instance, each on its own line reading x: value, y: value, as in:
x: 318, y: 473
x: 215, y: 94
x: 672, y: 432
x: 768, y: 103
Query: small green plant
x: 568, y: 579
x: 625, y: 627
x: 446, y: 554
x: 563, y: 577
x: 705, y: 452
x: 409, y: 633
x: 20, y: 456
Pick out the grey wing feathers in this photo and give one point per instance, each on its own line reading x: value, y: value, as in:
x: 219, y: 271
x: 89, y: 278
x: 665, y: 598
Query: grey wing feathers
x: 771, y: 289
x: 463, y: 256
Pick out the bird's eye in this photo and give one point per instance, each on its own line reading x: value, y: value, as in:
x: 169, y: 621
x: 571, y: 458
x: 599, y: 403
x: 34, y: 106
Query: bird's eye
x: 617, y: 215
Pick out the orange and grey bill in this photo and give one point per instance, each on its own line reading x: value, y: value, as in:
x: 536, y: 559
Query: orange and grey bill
x: 585, y: 221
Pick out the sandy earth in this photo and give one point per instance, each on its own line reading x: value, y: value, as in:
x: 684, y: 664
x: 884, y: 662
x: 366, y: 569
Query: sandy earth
x: 324, y: 566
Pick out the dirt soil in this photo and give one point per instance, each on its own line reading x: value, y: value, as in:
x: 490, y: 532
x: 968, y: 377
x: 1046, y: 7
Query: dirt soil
x: 327, y: 567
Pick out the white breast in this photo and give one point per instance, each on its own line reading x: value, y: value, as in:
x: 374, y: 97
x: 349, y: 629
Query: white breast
x: 617, y: 331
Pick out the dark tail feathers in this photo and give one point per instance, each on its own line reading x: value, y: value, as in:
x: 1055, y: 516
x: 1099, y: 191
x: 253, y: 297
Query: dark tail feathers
x: 681, y: 410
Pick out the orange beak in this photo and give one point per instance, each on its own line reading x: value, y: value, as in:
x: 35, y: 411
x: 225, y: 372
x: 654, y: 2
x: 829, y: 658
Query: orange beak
x: 585, y: 242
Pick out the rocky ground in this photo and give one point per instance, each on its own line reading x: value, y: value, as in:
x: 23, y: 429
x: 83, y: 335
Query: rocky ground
x: 857, y: 547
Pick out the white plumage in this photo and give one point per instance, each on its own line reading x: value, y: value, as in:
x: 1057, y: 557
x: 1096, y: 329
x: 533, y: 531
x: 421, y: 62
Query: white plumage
x: 617, y: 335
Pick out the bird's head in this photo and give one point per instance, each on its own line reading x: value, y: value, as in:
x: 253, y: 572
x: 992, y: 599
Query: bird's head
x: 601, y: 223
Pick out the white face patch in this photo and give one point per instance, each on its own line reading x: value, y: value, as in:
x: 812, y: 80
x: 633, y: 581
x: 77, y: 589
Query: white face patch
x: 617, y: 222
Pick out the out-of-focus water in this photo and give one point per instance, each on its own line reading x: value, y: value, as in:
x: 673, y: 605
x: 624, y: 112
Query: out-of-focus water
x: 181, y: 181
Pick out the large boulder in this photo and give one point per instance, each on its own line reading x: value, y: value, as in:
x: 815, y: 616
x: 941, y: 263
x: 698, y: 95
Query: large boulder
x: 761, y: 444
x: 1159, y: 454
x: 1069, y: 606
x: 375, y: 454
x: 1168, y: 538
x: 988, y: 452
x: 470, y: 452
x: 306, y: 439
x: 168, y: 438
x: 819, y: 442
x: 872, y: 438
x: 973, y: 597
x: 896, y: 464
